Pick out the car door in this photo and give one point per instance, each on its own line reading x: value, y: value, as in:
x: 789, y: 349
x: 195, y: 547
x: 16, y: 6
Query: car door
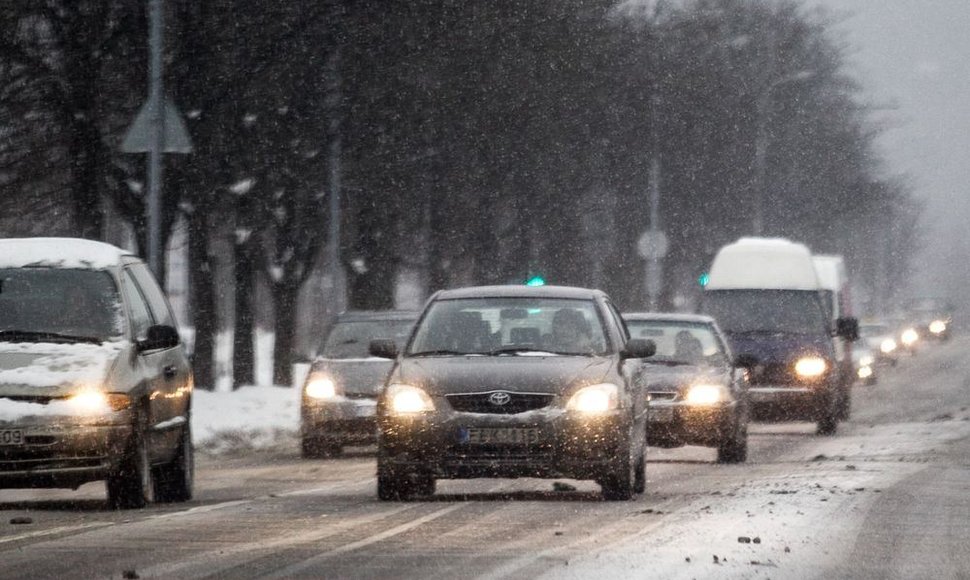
x: 630, y: 369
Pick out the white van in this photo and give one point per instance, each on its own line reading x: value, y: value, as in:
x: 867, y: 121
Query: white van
x: 766, y: 295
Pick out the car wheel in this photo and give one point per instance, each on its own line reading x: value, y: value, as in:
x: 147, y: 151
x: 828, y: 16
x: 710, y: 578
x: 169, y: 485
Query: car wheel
x: 619, y: 485
x: 317, y: 448
x: 130, y: 486
x: 735, y: 448
x: 174, y: 480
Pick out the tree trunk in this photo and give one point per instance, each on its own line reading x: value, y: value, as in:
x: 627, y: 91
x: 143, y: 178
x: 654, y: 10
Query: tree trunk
x: 285, y: 303
x: 202, y: 300
x: 243, y: 354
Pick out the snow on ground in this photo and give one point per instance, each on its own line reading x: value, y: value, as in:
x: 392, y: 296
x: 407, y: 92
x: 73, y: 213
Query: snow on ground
x: 260, y: 417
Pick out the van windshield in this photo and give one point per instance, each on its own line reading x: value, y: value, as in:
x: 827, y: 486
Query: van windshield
x: 748, y: 311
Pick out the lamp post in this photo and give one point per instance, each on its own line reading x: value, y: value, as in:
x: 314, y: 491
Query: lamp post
x: 761, y: 144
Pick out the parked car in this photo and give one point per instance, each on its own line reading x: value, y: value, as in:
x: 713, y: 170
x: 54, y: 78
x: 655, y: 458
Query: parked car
x: 340, y: 393
x: 508, y: 381
x: 766, y: 295
x: 698, y: 394
x: 94, y: 380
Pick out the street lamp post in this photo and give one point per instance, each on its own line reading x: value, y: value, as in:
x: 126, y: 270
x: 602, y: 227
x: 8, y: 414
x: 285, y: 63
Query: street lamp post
x: 761, y: 145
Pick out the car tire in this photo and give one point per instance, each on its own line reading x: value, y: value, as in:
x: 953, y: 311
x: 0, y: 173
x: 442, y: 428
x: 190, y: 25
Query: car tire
x: 734, y: 449
x: 317, y: 448
x: 131, y: 486
x: 174, y: 480
x: 620, y: 484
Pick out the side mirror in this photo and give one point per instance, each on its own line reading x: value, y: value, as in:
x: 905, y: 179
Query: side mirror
x: 639, y: 348
x: 159, y: 337
x: 383, y: 348
x: 847, y: 328
x: 745, y: 361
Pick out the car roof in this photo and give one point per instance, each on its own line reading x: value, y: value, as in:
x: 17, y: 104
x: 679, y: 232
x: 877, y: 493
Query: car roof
x: 75, y: 253
x: 372, y: 315
x: 516, y: 291
x: 667, y: 317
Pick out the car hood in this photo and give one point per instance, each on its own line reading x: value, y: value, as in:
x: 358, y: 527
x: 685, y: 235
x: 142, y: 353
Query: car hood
x: 54, y: 370
x: 533, y: 374
x: 780, y: 348
x: 663, y: 378
x: 361, y: 376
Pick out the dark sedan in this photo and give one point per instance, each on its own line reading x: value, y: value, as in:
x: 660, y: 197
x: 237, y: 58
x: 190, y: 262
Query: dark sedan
x: 698, y: 394
x: 508, y: 381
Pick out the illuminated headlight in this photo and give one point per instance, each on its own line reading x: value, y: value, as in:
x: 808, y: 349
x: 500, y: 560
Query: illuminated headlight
x: 865, y: 372
x: 595, y: 399
x: 408, y: 400
x: 320, y: 387
x: 937, y: 327
x: 909, y: 336
x: 810, y: 367
x: 866, y: 360
x: 888, y: 346
x: 93, y: 402
x: 705, y: 395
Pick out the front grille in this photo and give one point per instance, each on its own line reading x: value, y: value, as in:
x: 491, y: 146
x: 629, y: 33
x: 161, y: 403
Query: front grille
x: 663, y: 395
x: 483, y: 402
x: 361, y: 396
x: 773, y: 374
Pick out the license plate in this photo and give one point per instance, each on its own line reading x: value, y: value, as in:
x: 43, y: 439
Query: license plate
x: 661, y: 414
x: 498, y: 436
x: 11, y: 437
x: 366, y: 409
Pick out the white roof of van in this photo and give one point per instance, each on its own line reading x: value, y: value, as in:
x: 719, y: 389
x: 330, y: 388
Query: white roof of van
x: 830, y: 271
x: 770, y: 263
x: 59, y: 253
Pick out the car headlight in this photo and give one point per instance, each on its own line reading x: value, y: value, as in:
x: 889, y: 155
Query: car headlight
x: 866, y: 360
x: 320, y: 387
x: 810, y: 367
x: 705, y: 395
x: 92, y: 402
x: 595, y: 399
x: 888, y: 346
x: 909, y: 336
x: 938, y: 327
x: 865, y: 372
x: 408, y: 400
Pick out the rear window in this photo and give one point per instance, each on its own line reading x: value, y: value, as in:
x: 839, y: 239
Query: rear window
x: 73, y: 302
x: 351, y: 339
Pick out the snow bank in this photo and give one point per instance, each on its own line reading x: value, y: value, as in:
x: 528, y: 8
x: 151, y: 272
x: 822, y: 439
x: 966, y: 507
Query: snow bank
x: 249, y: 418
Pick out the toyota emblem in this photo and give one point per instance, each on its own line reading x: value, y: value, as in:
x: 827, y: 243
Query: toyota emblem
x: 499, y: 398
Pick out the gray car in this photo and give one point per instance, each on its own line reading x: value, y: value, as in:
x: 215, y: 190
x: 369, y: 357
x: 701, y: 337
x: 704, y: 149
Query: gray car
x: 340, y: 393
x: 94, y: 380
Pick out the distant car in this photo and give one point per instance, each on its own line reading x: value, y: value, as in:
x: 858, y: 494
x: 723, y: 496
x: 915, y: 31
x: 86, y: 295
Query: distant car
x: 340, y: 393
x: 864, y: 361
x: 94, y: 380
x: 698, y: 394
x: 514, y: 381
x: 879, y: 339
x: 931, y: 317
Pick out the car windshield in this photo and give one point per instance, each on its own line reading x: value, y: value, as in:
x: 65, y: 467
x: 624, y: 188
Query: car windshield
x: 868, y: 330
x: 59, y: 304
x: 680, y: 342
x: 351, y: 339
x: 769, y: 311
x: 507, y: 326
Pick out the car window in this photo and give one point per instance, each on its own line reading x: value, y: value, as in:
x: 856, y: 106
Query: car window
x: 157, y: 303
x: 137, y: 307
x: 486, y: 325
x: 62, y: 301
x: 351, y: 339
x: 680, y: 342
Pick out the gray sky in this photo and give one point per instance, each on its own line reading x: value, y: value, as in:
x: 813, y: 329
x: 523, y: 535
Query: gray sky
x: 916, y: 54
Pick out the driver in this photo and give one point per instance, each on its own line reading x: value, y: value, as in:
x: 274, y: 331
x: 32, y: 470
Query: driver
x: 570, y: 332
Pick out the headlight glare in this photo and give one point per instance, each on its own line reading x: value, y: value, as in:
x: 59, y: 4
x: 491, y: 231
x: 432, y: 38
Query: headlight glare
x: 865, y: 372
x: 705, y: 395
x: 888, y: 345
x: 866, y: 360
x: 938, y: 327
x: 408, y: 400
x: 595, y: 399
x: 810, y: 367
x: 909, y: 336
x: 91, y: 402
x: 321, y: 387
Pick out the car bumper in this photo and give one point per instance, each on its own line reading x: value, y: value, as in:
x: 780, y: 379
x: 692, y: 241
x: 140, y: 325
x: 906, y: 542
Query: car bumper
x: 564, y: 445
x: 343, y: 421
x: 673, y: 424
x: 788, y: 402
x: 62, y: 453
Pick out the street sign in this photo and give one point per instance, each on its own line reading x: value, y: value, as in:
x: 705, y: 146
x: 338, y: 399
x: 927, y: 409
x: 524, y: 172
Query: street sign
x: 652, y: 245
x: 139, y: 137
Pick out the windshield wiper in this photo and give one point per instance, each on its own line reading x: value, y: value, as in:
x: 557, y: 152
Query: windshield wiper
x: 442, y: 352
x: 37, y: 336
x: 519, y: 349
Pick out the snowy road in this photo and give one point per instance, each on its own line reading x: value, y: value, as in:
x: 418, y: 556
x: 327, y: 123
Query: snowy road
x: 885, y: 498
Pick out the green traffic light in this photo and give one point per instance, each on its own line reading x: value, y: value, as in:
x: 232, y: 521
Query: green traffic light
x: 703, y: 279
x: 535, y: 281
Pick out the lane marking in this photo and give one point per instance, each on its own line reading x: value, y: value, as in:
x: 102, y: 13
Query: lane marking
x: 300, y: 567
x: 201, y: 509
x: 54, y: 531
